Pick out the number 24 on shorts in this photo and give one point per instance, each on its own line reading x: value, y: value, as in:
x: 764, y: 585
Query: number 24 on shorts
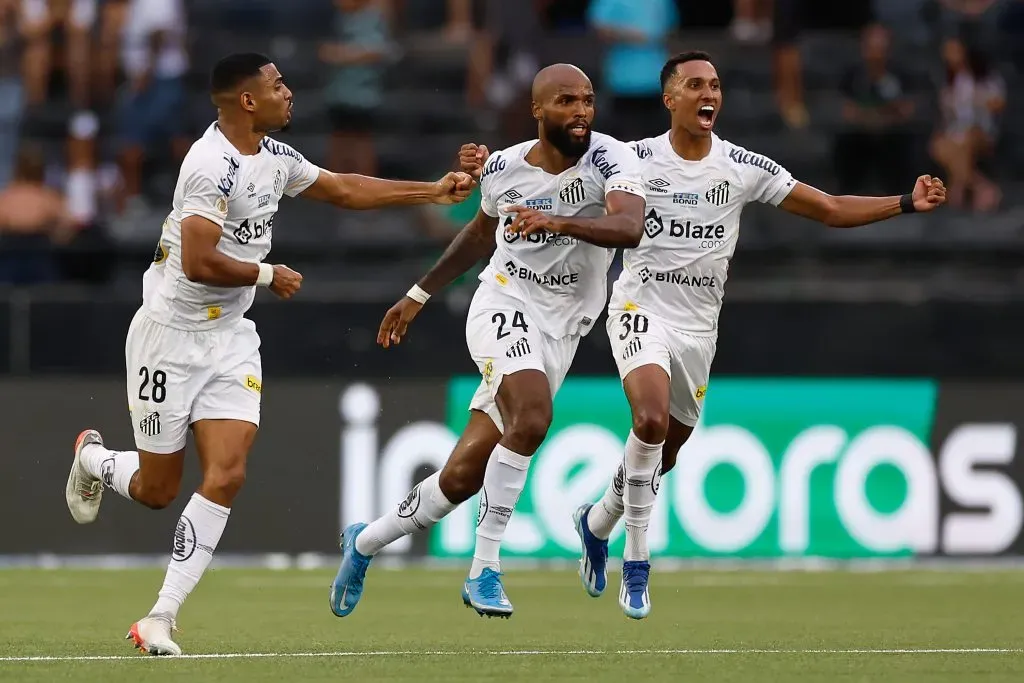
x: 158, y: 380
x: 500, y: 319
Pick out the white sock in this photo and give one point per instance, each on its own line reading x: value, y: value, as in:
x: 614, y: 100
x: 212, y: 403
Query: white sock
x: 422, y: 508
x: 504, y: 480
x: 114, y: 468
x: 608, y: 511
x: 195, y: 538
x: 643, y: 461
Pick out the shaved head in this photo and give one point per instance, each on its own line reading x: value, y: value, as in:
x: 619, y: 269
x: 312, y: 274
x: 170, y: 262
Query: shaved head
x: 552, y: 79
x: 563, y: 105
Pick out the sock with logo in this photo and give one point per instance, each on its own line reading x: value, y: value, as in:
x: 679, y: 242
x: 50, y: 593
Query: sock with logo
x: 422, y: 508
x: 607, y: 512
x: 114, y: 468
x: 642, y: 469
x: 504, y: 480
x: 195, y: 538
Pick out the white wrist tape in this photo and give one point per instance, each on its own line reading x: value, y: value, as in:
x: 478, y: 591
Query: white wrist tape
x: 266, y: 275
x: 418, y: 294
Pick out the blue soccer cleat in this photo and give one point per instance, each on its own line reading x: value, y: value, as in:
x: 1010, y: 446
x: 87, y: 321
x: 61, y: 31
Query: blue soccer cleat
x: 348, y: 584
x: 633, y: 596
x: 486, y: 595
x: 594, y: 558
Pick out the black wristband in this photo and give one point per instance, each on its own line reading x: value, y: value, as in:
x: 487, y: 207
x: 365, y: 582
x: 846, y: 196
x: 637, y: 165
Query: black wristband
x: 907, y: 203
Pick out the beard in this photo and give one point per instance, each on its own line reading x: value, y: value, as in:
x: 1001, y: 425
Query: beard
x: 564, y: 142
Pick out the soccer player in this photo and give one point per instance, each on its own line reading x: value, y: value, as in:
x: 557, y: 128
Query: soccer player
x: 664, y: 308
x: 192, y: 358
x: 552, y: 211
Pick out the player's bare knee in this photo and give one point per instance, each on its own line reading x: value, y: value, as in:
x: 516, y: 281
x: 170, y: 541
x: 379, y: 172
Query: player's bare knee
x: 224, y: 483
x: 650, y: 424
x: 527, y: 429
x: 155, y: 494
x: 460, y: 481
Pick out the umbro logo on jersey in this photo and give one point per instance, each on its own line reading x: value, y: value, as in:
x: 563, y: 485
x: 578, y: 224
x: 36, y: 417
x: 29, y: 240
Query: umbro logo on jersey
x: 573, y: 192
x: 658, y: 185
x: 719, y: 193
x: 653, y: 225
x: 252, y: 190
x: 510, y: 197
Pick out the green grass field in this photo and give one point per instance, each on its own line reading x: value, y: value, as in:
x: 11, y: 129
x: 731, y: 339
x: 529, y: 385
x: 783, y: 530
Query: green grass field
x: 411, y: 625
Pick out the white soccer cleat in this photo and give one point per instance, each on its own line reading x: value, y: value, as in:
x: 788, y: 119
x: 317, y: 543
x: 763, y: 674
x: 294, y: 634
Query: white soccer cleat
x: 83, y: 492
x: 152, y: 635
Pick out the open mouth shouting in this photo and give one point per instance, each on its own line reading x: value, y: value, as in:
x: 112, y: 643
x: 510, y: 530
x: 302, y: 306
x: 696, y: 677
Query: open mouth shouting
x: 706, y: 116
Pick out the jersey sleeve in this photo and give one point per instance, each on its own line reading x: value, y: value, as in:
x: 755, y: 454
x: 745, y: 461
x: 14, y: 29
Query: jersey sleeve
x: 770, y: 182
x: 487, y: 202
x: 620, y: 168
x: 301, y: 174
x: 204, y: 193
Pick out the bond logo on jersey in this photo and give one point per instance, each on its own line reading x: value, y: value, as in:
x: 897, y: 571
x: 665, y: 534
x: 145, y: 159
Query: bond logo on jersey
x: 602, y: 164
x: 718, y: 194
x: 686, y: 198
x: 658, y: 185
x: 264, y: 200
x: 543, y: 204
x: 741, y: 156
x: 572, y: 192
x: 653, y: 225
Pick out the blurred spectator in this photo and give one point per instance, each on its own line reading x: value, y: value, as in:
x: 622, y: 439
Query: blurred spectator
x: 152, y: 105
x: 358, y: 56
x: 789, y: 78
x: 459, y: 25
x: 971, y: 99
x: 502, y: 65
x: 637, y: 34
x: 877, y: 142
x: 33, y: 218
x: 41, y: 19
x: 751, y: 21
x: 11, y: 92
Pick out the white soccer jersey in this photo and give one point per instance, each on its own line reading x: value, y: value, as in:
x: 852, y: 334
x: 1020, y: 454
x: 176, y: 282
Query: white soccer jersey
x: 562, y: 281
x: 691, y: 226
x: 240, y: 193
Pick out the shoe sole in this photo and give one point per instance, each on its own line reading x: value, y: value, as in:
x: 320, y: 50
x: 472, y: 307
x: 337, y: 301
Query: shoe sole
x: 485, y: 611
x: 577, y: 518
x: 70, y: 493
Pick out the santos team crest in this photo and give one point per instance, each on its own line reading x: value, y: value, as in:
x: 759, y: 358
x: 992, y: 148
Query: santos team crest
x: 572, y: 191
x: 718, y: 193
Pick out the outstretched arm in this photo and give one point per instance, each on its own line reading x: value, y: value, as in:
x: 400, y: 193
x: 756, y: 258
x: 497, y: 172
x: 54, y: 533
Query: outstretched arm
x: 472, y: 244
x: 351, y: 191
x: 849, y: 211
x: 623, y: 226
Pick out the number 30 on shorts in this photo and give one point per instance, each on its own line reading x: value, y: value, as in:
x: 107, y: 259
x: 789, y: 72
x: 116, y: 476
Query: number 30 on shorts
x: 153, y: 386
x: 633, y: 322
x: 500, y: 319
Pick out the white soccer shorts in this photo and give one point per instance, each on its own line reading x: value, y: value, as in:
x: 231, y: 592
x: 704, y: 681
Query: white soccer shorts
x: 503, y: 339
x: 640, y: 339
x: 177, y: 377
